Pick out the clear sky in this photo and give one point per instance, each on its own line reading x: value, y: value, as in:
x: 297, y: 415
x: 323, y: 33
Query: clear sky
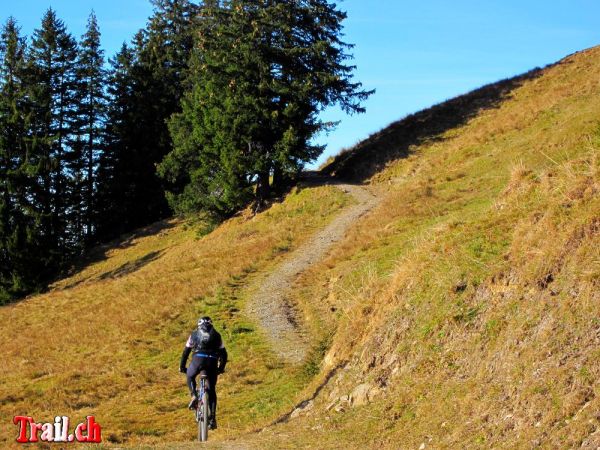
x: 415, y: 53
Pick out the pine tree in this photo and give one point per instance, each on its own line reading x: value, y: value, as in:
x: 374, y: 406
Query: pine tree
x: 263, y: 71
x: 88, y: 142
x: 146, y: 87
x: 212, y: 135
x: 117, y: 161
x: 162, y: 68
x: 168, y: 47
x: 51, y: 84
x: 15, y: 278
x: 76, y: 166
x: 308, y: 72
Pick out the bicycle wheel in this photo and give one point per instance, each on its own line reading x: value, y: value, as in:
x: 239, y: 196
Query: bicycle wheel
x: 203, y: 422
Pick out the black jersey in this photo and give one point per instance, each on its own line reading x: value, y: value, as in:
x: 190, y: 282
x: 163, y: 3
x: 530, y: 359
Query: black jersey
x: 208, y: 342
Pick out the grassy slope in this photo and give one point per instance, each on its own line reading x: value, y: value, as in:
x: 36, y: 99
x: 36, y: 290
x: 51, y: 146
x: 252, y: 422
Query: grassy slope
x: 469, y: 301
x: 107, y: 341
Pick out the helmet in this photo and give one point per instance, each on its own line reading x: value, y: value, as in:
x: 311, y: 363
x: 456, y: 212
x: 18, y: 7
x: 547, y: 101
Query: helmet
x: 205, y: 323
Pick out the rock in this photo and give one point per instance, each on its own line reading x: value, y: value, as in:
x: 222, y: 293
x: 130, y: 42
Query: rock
x: 340, y: 408
x: 360, y: 395
x: 303, y: 408
x: 375, y: 392
x: 460, y: 286
x: 331, y: 405
x: 592, y: 441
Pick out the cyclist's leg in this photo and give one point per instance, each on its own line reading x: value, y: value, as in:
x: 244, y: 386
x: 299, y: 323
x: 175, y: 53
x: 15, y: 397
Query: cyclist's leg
x: 212, y: 381
x: 192, y: 372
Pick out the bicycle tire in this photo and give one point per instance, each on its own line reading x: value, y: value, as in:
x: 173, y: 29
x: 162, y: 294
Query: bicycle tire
x: 203, y: 422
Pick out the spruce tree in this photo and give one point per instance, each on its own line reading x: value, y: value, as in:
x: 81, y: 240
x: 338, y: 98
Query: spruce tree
x: 308, y: 72
x: 263, y: 71
x: 15, y: 245
x: 76, y: 166
x: 162, y: 63
x: 91, y: 117
x: 117, y: 164
x: 51, y: 84
x: 212, y: 136
x: 146, y: 88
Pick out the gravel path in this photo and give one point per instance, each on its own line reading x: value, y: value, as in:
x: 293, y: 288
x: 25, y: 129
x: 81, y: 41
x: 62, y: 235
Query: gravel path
x: 269, y: 304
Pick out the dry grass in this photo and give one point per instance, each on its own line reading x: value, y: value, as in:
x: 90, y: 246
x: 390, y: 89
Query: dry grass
x: 469, y: 300
x: 110, y: 344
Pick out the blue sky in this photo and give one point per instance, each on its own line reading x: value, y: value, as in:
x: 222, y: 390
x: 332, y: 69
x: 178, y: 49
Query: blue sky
x: 414, y: 53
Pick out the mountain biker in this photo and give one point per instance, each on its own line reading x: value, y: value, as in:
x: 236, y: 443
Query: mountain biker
x: 210, y: 356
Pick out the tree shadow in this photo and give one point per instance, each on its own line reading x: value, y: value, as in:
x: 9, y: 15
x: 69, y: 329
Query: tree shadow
x: 100, y: 252
x: 130, y: 266
x: 370, y: 156
x: 124, y: 269
x: 127, y: 239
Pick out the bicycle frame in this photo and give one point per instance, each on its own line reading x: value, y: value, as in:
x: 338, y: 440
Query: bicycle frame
x: 202, y: 408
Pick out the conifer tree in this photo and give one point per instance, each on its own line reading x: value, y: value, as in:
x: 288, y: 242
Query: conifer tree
x: 51, y: 85
x: 118, y: 159
x: 15, y: 278
x: 151, y: 88
x: 91, y: 115
x: 207, y: 163
x: 308, y: 71
x: 76, y: 166
x: 263, y: 71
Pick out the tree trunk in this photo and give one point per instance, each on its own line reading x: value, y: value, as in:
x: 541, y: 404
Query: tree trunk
x: 278, y: 179
x: 263, y: 190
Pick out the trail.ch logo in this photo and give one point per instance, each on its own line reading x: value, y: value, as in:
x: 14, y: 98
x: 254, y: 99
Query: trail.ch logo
x: 88, y: 431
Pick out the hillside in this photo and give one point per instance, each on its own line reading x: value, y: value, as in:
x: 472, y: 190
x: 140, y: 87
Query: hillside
x: 461, y: 311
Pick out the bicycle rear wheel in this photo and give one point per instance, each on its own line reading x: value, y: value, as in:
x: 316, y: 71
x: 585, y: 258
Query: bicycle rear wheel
x: 203, y: 422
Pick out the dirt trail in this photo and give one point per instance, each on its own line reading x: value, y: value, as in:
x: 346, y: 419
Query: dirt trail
x: 269, y: 304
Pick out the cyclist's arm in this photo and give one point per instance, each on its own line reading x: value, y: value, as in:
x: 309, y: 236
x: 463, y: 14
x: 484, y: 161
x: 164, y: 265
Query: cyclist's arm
x: 186, y: 353
x: 222, y: 357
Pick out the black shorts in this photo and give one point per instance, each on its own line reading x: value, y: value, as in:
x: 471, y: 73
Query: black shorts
x: 202, y: 363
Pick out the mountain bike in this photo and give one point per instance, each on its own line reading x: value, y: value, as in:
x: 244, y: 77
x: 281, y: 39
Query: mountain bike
x: 202, y: 412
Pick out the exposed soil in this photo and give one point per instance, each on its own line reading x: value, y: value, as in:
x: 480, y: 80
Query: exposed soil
x: 269, y: 304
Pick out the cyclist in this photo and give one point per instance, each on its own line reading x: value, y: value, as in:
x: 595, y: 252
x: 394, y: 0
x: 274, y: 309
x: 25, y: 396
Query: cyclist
x: 210, y: 356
